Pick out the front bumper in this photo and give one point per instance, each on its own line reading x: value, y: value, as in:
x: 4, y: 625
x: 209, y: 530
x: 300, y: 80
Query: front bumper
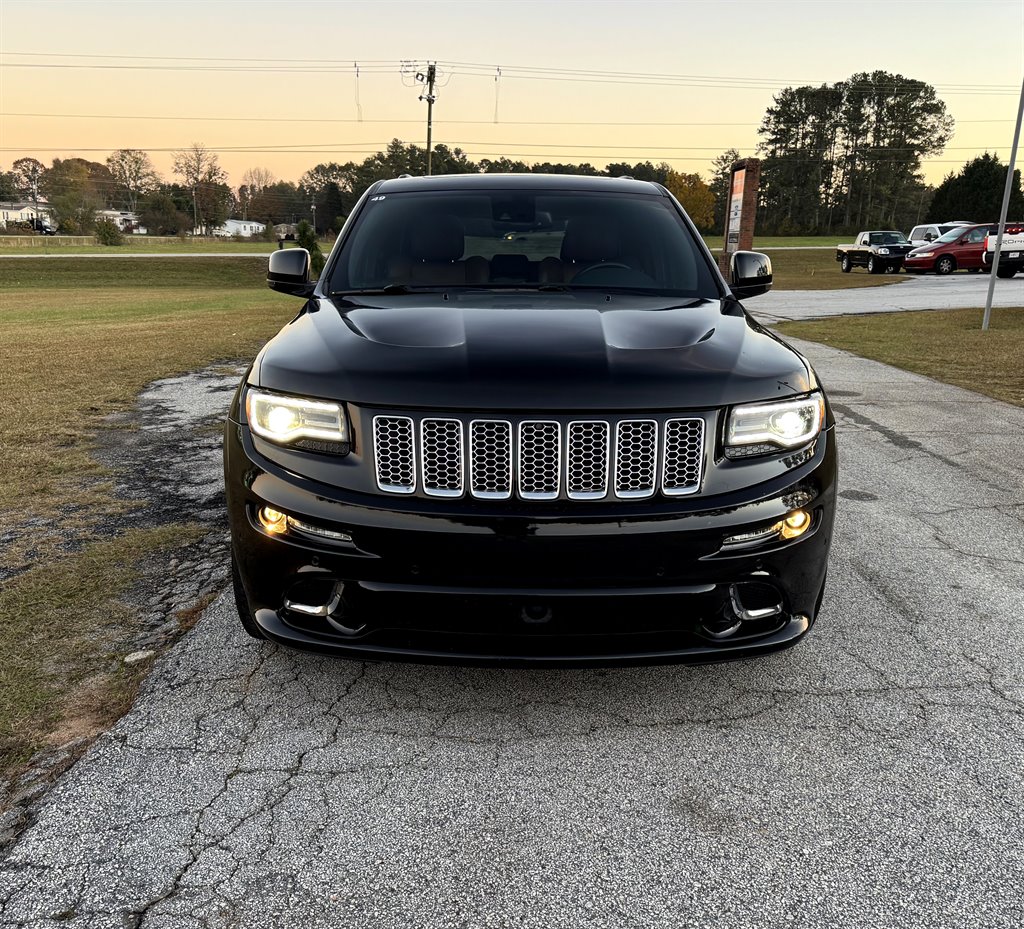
x: 577, y: 583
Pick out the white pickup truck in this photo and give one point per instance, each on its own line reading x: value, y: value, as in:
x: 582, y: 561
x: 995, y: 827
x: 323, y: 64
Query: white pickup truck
x: 1011, y: 256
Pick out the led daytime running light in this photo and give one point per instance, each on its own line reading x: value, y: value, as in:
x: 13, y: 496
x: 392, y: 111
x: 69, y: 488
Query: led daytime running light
x: 783, y: 424
x: 285, y: 419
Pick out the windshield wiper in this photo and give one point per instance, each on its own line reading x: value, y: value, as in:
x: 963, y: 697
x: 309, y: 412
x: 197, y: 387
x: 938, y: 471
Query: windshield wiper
x: 384, y: 291
x: 624, y: 289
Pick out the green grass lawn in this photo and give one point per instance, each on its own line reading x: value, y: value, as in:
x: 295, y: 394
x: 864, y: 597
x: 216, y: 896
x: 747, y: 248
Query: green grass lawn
x: 947, y: 345
x: 763, y: 243
x: 42, y: 245
x: 814, y: 270
x: 141, y: 246
x: 81, y: 339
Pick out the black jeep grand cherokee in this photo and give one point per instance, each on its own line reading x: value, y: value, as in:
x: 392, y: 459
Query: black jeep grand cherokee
x: 524, y: 419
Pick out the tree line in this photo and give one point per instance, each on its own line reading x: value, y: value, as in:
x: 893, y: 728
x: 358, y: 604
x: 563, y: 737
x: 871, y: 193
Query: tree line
x: 200, y: 197
x: 836, y: 158
x: 847, y: 156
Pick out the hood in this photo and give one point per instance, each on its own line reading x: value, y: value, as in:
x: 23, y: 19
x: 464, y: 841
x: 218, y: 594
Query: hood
x: 557, y: 353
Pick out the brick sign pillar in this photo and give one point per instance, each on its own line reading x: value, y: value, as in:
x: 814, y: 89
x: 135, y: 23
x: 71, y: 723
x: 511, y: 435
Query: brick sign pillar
x: 741, y: 210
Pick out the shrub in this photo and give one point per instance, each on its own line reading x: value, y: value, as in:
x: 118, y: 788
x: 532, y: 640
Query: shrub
x: 307, y: 240
x: 108, y: 232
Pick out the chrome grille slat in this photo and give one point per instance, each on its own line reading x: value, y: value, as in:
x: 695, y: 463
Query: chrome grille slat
x: 587, y: 452
x: 441, y: 457
x: 636, y: 458
x: 539, y: 459
x: 394, y: 454
x: 683, y: 456
x: 490, y: 459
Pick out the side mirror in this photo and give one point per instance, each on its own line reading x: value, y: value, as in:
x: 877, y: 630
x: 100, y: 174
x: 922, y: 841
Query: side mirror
x: 288, y: 272
x: 750, y: 274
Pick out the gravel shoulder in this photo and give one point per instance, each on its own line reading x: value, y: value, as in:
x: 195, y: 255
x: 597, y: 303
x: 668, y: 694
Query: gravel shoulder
x: 868, y: 777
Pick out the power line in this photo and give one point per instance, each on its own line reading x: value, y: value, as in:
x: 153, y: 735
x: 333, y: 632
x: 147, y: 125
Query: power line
x: 486, y: 69
x: 626, y: 78
x: 444, y: 122
x: 441, y: 122
x: 622, y: 154
x: 285, y: 148
x: 336, y: 61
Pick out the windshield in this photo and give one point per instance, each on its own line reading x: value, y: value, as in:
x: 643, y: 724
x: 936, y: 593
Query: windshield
x: 952, y: 235
x: 517, y: 238
x: 888, y: 238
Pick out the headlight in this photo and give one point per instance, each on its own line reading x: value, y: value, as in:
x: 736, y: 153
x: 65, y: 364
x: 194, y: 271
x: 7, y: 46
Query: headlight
x: 287, y: 420
x: 923, y: 255
x: 765, y: 428
x: 883, y: 251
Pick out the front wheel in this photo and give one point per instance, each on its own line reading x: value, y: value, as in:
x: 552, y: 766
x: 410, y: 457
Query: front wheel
x: 945, y: 265
x: 846, y: 266
x: 874, y: 267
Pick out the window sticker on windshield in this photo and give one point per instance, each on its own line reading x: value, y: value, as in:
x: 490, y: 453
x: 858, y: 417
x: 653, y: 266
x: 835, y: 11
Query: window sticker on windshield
x: 380, y: 197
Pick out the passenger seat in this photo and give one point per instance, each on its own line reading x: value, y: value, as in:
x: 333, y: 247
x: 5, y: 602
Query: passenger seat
x: 436, y: 245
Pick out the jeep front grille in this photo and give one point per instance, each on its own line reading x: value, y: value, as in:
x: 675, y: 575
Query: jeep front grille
x: 538, y: 459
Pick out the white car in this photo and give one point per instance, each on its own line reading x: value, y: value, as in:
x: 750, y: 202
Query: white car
x: 929, y: 232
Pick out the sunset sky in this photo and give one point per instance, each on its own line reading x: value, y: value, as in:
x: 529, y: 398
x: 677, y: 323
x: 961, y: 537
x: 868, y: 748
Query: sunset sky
x: 286, y: 69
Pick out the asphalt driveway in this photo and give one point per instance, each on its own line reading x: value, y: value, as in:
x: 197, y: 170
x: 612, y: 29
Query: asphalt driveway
x: 913, y: 292
x: 869, y: 777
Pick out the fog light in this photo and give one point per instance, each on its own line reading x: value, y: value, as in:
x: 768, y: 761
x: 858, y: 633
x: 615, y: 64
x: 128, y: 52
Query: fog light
x: 796, y: 524
x: 272, y: 520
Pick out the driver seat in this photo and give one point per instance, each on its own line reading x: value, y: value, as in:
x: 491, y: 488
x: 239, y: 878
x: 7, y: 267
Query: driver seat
x: 588, y: 241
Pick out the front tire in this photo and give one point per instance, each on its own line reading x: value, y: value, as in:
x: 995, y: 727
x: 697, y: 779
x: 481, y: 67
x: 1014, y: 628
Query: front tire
x: 874, y: 267
x: 846, y: 266
x: 242, y: 602
x: 945, y: 265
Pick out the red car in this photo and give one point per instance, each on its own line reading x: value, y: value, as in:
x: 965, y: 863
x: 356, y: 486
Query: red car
x: 960, y: 249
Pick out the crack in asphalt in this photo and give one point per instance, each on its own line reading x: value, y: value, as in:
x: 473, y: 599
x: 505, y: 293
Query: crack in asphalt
x: 868, y: 777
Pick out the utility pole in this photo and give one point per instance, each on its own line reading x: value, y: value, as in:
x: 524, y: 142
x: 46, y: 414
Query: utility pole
x: 312, y: 206
x: 1002, y: 214
x: 195, y: 213
x: 430, y: 97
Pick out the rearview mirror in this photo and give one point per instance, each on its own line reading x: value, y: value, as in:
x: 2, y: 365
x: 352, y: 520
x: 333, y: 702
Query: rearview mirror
x: 750, y: 274
x: 288, y: 272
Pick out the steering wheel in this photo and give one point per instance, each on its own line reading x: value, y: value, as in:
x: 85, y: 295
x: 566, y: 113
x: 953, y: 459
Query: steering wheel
x: 605, y: 265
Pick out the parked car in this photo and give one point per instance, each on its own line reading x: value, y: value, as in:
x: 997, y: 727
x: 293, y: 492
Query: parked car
x: 960, y: 249
x: 923, y: 235
x: 42, y: 226
x: 576, y: 449
x: 877, y: 251
x: 1011, y: 255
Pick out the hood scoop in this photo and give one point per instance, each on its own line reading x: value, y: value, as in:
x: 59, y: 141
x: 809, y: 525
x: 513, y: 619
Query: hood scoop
x: 409, y: 327
x: 452, y: 327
